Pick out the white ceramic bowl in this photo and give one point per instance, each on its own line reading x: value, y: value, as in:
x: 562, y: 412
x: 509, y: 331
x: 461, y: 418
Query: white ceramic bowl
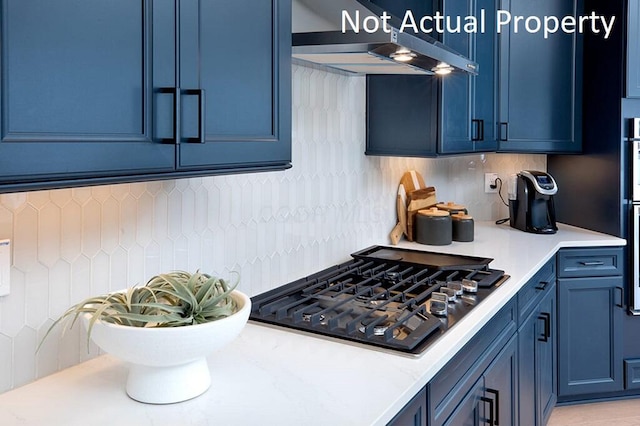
x: 169, y: 364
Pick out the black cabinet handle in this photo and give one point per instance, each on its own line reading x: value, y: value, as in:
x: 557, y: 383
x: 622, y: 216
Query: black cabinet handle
x: 542, y: 285
x: 176, y: 113
x: 497, y: 402
x: 620, y: 292
x: 492, y: 418
x: 503, y: 130
x: 546, y: 318
x: 201, y: 115
x: 592, y: 263
x: 478, y: 130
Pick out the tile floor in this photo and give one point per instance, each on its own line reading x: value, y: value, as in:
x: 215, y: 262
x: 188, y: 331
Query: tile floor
x: 615, y: 413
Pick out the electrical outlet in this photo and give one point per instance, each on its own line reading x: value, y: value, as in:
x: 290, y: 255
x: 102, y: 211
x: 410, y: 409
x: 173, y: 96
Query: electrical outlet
x: 490, y: 184
x: 5, y: 267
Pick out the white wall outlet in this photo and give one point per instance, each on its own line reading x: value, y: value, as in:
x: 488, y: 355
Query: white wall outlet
x: 5, y: 267
x: 490, y: 184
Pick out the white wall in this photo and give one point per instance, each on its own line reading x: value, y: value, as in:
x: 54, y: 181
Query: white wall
x: 271, y: 227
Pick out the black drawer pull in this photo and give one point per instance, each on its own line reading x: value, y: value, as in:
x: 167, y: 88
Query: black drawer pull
x: 478, y: 131
x: 542, y: 285
x: 174, y: 91
x: 546, y: 318
x: 503, y: 131
x: 492, y: 418
x: 497, y: 401
x: 592, y: 263
x: 201, y: 114
x: 620, y: 303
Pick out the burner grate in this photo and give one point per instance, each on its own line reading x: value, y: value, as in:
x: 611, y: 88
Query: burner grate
x: 376, y: 301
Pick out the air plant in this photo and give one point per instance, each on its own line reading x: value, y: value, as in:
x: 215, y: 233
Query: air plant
x: 174, y: 299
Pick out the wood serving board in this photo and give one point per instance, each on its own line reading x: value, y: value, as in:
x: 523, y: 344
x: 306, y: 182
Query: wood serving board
x: 413, y: 195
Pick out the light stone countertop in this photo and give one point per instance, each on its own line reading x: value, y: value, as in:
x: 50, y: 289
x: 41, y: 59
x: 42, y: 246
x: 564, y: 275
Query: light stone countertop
x: 272, y: 376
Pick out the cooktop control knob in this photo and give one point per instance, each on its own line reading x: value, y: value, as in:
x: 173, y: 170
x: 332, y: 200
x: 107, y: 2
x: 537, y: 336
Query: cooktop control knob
x: 451, y: 294
x: 469, y: 286
x: 455, y: 285
x: 438, y: 304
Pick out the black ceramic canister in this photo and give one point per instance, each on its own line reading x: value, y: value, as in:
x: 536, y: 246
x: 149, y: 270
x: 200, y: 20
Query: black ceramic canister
x: 433, y: 227
x: 462, y: 226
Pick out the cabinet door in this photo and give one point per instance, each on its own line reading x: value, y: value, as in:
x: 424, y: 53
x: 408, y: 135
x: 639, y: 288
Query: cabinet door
x: 457, y: 131
x: 492, y: 400
x: 590, y: 313
x: 633, y: 50
x: 235, y: 81
x: 467, y: 122
x: 501, y: 384
x: 537, y: 362
x: 545, y: 358
x: 77, y: 91
x: 402, y: 115
x: 528, y: 333
x: 540, y: 83
x: 414, y: 413
x: 473, y: 409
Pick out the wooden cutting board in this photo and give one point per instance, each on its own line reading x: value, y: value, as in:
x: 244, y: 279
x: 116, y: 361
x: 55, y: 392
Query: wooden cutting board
x: 411, y: 189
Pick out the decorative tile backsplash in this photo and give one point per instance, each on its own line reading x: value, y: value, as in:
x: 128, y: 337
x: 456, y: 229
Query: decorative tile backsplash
x: 270, y: 227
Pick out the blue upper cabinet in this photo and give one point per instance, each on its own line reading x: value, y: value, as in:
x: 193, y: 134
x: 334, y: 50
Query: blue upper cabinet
x: 402, y: 110
x: 235, y: 73
x: 94, y: 91
x: 77, y: 89
x: 426, y: 116
x: 526, y: 98
x: 402, y: 115
x: 540, y: 83
x: 467, y: 121
x: 633, y: 49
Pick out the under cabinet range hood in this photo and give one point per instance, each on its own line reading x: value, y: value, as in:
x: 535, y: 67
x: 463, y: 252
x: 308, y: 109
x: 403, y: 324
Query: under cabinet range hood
x: 318, y: 38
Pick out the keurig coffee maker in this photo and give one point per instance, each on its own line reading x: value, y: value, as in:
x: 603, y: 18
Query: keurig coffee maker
x: 531, y: 202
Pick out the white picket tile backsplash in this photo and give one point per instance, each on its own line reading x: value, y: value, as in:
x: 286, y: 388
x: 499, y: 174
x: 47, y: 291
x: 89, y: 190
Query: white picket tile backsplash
x: 271, y: 227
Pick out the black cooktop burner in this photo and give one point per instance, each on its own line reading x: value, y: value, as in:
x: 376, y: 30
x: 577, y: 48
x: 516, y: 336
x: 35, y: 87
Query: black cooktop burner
x: 387, y: 297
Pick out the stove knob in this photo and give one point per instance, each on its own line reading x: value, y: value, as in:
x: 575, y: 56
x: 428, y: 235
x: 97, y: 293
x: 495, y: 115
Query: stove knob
x: 451, y: 294
x: 455, y: 285
x: 469, y: 286
x: 438, y: 304
x: 438, y: 308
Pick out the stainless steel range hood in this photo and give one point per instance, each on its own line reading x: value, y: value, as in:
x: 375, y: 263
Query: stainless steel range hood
x: 318, y: 38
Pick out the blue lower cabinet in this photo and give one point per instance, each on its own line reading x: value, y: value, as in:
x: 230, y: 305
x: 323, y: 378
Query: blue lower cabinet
x: 471, y: 410
x: 493, y: 397
x: 537, y: 340
x: 480, y: 383
x: 590, y: 314
x: 632, y: 373
x: 414, y: 413
x: 501, y: 386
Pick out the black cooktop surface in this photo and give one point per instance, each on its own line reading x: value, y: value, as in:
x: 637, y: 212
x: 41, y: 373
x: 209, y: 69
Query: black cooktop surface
x: 390, y: 298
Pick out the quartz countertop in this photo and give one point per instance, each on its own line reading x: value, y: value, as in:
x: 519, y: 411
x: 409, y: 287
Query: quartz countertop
x: 271, y: 376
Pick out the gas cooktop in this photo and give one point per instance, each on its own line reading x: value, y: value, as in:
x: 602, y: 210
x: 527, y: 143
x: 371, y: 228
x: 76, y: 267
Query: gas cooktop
x: 386, y: 297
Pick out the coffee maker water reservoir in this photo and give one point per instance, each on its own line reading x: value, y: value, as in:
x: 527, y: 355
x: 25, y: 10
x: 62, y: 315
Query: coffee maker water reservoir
x: 531, y: 206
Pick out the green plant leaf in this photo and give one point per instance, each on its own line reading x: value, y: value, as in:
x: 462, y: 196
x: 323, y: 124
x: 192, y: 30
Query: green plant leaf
x: 174, y: 299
